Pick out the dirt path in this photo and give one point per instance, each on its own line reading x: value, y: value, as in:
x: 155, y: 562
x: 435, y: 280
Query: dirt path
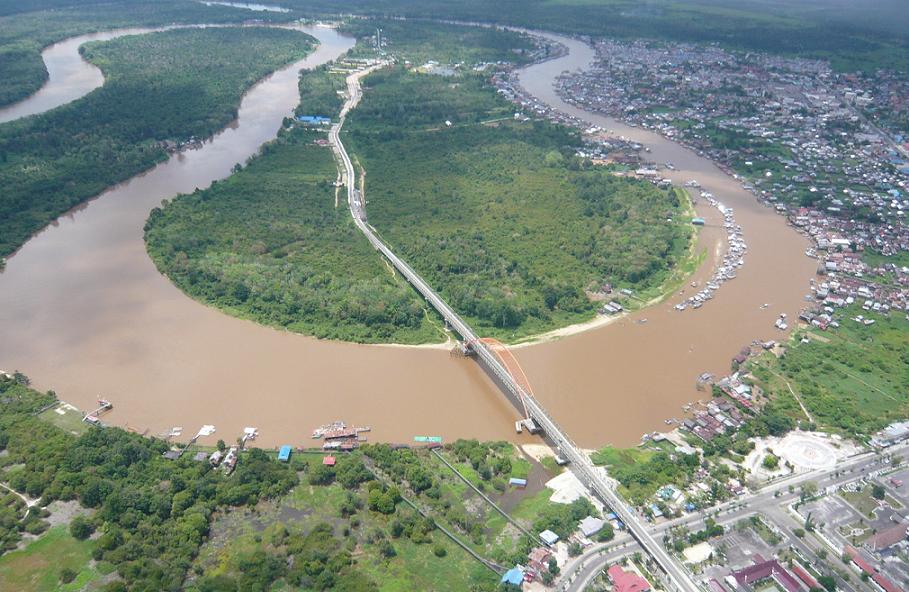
x: 29, y: 503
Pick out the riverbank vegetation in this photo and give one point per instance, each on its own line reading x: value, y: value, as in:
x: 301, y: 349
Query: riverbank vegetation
x: 853, y: 379
x: 152, y: 514
x: 847, y: 33
x: 27, y: 27
x: 136, y: 521
x: 499, y: 215
x: 161, y: 88
x: 271, y: 244
x: 422, y: 42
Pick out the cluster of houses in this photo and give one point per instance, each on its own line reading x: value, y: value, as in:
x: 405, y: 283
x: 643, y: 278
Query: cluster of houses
x: 721, y: 416
x: 766, y: 571
x: 892, y: 434
x: 847, y: 276
x: 539, y: 558
x: 811, y: 142
x: 226, y: 460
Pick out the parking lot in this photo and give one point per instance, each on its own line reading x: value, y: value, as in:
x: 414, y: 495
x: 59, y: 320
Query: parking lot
x: 740, y: 547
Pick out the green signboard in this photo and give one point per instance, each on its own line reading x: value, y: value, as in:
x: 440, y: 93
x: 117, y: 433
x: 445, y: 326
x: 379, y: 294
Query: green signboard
x: 433, y: 439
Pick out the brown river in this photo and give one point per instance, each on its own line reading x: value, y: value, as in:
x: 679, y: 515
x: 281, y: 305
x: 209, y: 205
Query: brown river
x: 83, y: 311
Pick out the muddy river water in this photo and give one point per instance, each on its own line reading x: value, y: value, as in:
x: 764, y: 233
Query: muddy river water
x: 83, y: 311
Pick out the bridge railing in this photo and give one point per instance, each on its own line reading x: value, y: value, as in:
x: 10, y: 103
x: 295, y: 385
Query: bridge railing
x: 580, y: 462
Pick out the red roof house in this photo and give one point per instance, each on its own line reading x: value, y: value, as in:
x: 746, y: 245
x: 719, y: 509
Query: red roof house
x: 626, y: 581
x: 802, y: 574
x: 762, y: 570
x: 879, y: 579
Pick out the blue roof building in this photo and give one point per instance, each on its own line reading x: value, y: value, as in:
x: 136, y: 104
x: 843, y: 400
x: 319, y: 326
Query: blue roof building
x: 514, y: 576
x: 314, y: 119
x: 284, y: 453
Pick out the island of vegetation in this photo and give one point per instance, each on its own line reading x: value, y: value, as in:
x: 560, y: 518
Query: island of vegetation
x: 500, y: 215
x: 270, y: 244
x: 27, y: 27
x: 161, y: 90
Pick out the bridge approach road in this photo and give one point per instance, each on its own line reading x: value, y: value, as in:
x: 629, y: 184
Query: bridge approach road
x: 593, y: 478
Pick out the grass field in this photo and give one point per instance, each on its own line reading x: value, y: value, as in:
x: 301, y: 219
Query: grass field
x: 66, y: 419
x: 36, y: 568
x: 854, y: 379
x: 865, y: 503
x: 874, y: 258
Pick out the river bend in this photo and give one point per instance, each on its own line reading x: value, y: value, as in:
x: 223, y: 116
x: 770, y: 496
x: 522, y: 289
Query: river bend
x: 84, y: 311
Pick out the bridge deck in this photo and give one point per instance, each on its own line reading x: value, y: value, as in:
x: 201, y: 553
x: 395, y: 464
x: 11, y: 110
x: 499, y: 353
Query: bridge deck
x: 580, y: 464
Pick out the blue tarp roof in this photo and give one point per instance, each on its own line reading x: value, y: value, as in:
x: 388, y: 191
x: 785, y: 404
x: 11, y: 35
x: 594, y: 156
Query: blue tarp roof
x: 284, y: 453
x: 313, y: 119
x: 513, y: 576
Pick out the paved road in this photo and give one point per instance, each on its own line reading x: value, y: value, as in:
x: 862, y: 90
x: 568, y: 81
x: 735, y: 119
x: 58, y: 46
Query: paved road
x: 578, y: 575
x: 592, y: 477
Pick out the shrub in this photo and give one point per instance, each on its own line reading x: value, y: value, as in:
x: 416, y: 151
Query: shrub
x: 81, y: 528
x: 67, y: 575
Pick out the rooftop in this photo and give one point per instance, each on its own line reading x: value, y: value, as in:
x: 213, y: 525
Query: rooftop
x: 762, y: 570
x: 879, y: 579
x: 887, y: 538
x: 626, y: 581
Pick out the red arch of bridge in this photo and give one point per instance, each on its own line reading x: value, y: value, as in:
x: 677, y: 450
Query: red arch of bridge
x: 507, y: 359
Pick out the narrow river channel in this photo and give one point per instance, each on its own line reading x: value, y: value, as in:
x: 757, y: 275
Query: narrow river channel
x: 69, y: 76
x: 84, y: 311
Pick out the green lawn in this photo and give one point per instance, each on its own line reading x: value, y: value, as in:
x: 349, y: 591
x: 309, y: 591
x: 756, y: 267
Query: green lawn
x: 874, y: 258
x: 615, y: 458
x: 854, y: 379
x: 70, y: 420
x: 36, y: 568
x: 864, y: 503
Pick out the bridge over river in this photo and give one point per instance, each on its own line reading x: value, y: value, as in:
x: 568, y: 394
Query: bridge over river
x: 595, y: 479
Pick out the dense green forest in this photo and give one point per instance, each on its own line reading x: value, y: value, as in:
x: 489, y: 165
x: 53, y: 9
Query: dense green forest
x: 854, y: 35
x: 500, y: 216
x: 420, y: 42
x: 152, y: 514
x: 269, y: 244
x: 163, y: 86
x: 23, y: 35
